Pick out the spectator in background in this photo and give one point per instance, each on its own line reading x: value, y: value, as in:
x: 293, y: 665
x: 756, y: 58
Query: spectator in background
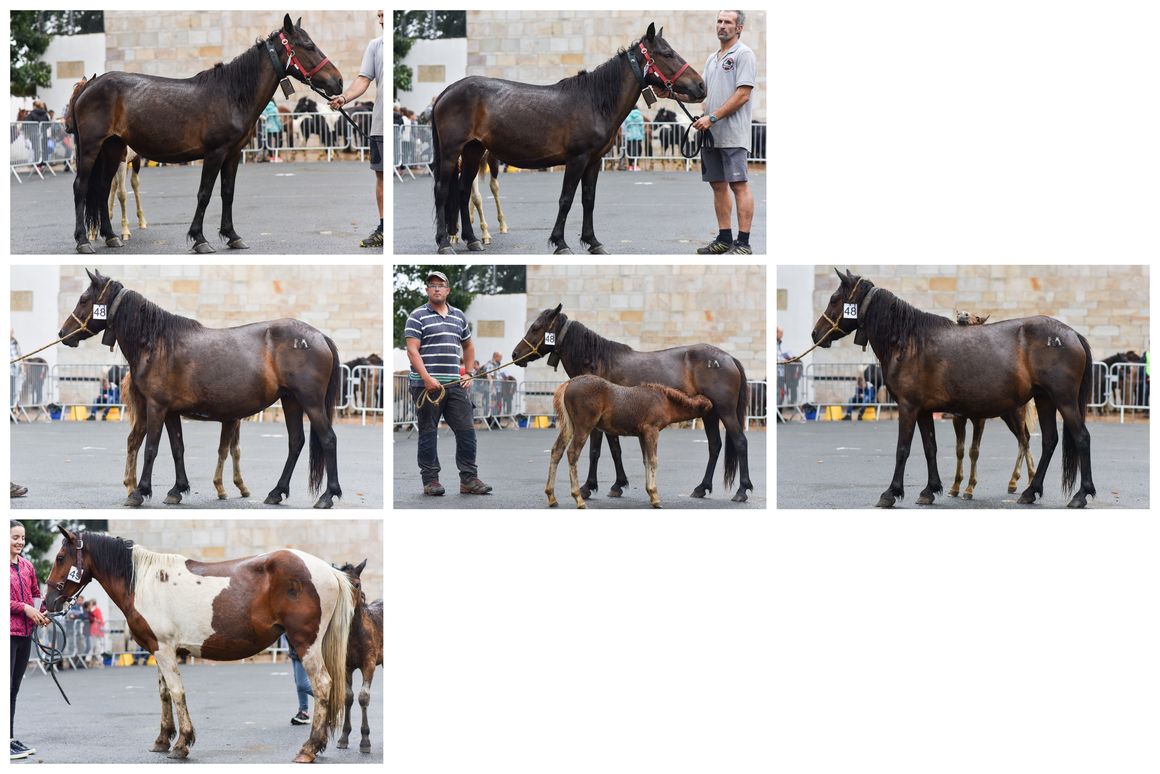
x: 95, y: 634
x: 633, y: 138
x: 863, y: 396
x: 273, y: 132
x: 301, y: 684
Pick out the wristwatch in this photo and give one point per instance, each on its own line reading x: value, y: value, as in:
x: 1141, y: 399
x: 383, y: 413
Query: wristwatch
x: 712, y: 118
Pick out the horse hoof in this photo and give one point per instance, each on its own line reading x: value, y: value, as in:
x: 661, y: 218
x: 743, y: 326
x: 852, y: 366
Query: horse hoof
x: 615, y: 492
x: 273, y: 499
x: 740, y: 497
x: 1079, y: 501
x: 655, y: 505
x: 582, y: 506
x: 1026, y: 499
x: 244, y: 492
x: 134, y: 500
x: 487, y: 240
x: 179, y: 752
x: 447, y: 250
x: 475, y: 246
x: 203, y: 248
x: 925, y: 500
x: 341, y: 745
x: 364, y: 748
x: 552, y: 503
x: 85, y: 248
x: 237, y: 244
x: 586, y: 491
x: 885, y: 502
x: 304, y: 758
x: 953, y: 493
x: 597, y: 250
x: 173, y: 499
x: 563, y: 251
x: 968, y: 496
x: 223, y: 496
x: 1010, y: 490
x: 113, y: 242
x: 324, y: 502
x: 160, y: 746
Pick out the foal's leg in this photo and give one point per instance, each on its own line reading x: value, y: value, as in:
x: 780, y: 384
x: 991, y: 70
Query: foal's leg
x: 477, y: 206
x: 133, y: 444
x: 572, y: 174
x: 648, y: 449
x: 236, y: 454
x: 907, y: 416
x: 588, y: 199
x: 590, y: 484
x: 574, y: 448
x: 976, y: 439
x: 1045, y: 408
x: 494, y: 169
x: 224, y: 444
x: 959, y: 422
x: 1017, y: 422
x: 136, y: 181
x: 933, y: 484
x: 364, y: 701
x: 168, y: 729
x: 292, y: 413
x: 229, y: 177
x: 166, y: 657
x: 713, y: 434
x: 177, y: 445
x: 553, y: 464
x: 344, y: 740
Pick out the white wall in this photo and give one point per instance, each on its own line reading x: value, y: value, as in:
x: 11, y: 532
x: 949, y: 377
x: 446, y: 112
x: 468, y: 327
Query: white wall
x: 452, y: 53
x: 88, y: 48
x: 38, y: 327
x: 798, y: 318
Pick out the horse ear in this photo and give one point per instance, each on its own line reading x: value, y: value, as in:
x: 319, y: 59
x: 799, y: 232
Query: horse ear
x: 298, y: 23
x: 91, y: 277
x: 556, y: 311
x: 287, y: 27
x: 652, y: 31
x: 840, y: 276
x: 358, y: 570
x: 70, y: 537
x: 661, y: 32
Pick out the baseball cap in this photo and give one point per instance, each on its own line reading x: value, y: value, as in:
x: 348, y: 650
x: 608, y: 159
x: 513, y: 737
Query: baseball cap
x: 438, y: 274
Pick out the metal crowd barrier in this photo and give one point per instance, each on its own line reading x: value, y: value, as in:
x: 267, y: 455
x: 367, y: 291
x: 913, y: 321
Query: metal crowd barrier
x: 365, y: 390
x: 1128, y: 387
x: 662, y: 142
x: 31, y: 385
x: 77, y: 390
x: 402, y: 407
x: 34, y: 146
x: 413, y: 147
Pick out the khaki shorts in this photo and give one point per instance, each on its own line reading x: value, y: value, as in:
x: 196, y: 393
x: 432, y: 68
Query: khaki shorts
x: 724, y: 165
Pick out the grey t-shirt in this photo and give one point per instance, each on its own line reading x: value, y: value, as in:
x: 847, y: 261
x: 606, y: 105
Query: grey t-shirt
x: 738, y: 67
x: 372, y: 67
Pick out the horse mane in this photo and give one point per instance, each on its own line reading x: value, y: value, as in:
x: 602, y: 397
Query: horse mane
x: 239, y: 75
x: 693, y: 403
x: 113, y: 554
x: 589, y: 349
x: 898, y: 327
x: 141, y: 324
x: 145, y: 562
x: 601, y: 86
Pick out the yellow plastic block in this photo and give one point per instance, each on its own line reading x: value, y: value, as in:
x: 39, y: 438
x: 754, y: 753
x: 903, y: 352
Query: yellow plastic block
x: 834, y: 413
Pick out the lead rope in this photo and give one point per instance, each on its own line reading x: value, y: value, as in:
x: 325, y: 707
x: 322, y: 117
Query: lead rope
x: 83, y: 329
x: 834, y: 325
x: 51, y: 657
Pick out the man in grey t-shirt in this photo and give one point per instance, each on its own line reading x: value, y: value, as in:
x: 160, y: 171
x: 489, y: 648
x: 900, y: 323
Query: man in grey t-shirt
x: 730, y: 75
x: 371, y: 69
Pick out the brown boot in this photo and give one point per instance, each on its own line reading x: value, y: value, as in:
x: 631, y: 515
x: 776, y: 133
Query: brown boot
x: 474, y: 486
x: 433, y: 489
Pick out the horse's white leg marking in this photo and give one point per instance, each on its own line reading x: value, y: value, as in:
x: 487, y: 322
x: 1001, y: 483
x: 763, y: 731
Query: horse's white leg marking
x: 166, y: 657
x: 168, y: 730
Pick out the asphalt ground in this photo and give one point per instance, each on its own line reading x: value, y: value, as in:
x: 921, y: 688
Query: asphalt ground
x: 515, y: 463
x: 279, y: 209
x: 636, y: 213
x: 849, y: 465
x: 240, y: 714
x: 82, y: 464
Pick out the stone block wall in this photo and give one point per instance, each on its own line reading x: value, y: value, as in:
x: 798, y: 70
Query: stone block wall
x: 544, y: 46
x: 344, y: 302
x: 1109, y: 305
x: 178, y: 44
x: 211, y: 540
x: 655, y: 307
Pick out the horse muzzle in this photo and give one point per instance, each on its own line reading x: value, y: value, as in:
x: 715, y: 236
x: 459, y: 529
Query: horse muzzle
x: 71, y: 341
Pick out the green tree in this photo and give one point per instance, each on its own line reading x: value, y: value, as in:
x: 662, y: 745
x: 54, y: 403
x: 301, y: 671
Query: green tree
x: 26, y: 45
x: 410, y: 294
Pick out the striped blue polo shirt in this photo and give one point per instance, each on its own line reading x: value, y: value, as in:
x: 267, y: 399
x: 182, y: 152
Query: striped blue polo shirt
x: 440, y: 342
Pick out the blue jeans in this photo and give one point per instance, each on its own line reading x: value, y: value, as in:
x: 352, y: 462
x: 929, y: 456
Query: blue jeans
x: 301, y: 682
x: 457, y: 410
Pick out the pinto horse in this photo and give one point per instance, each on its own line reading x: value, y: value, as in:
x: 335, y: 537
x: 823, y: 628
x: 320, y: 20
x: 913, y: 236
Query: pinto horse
x: 209, y: 116
x: 223, y: 611
x: 931, y: 364
x: 184, y: 369
x: 572, y: 122
x: 589, y: 402
x: 364, y: 653
x: 698, y: 369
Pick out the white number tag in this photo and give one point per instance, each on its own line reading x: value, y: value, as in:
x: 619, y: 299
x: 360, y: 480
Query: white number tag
x: 550, y: 339
x: 850, y: 311
x: 100, y: 312
x: 74, y: 575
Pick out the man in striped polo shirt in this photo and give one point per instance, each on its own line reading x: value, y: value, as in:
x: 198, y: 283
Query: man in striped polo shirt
x: 437, y: 339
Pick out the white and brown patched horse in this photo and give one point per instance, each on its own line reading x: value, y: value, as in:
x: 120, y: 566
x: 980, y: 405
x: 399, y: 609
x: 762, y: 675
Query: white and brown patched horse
x: 224, y: 611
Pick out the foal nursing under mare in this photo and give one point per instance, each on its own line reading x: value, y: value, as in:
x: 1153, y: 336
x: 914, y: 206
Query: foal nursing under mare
x: 588, y: 402
x: 930, y: 364
x: 697, y: 369
x: 182, y: 368
x: 224, y: 611
x: 210, y: 116
x: 572, y: 122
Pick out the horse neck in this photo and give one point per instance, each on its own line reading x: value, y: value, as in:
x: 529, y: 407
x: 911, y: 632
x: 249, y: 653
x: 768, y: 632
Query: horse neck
x: 267, y: 83
x: 120, y: 591
x: 629, y: 91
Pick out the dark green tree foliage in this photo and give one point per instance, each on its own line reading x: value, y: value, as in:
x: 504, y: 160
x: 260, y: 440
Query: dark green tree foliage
x: 466, y: 283
x: 39, y: 535
x: 26, y: 46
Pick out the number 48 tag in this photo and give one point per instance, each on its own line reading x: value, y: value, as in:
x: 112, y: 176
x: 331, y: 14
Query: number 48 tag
x: 850, y: 311
x: 550, y: 339
x: 74, y: 575
x: 100, y: 312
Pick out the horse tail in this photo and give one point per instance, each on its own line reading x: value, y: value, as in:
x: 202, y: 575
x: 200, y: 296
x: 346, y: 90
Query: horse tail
x: 437, y: 156
x: 97, y: 192
x: 1070, y: 451
x: 741, y: 409
x: 562, y: 419
x: 317, y: 456
x: 334, y: 645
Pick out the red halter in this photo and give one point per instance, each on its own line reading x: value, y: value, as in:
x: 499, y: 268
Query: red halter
x: 296, y: 63
x: 649, y: 64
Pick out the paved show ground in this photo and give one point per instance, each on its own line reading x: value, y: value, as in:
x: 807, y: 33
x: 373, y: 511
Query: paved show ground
x: 82, y: 464
x: 636, y: 213
x: 289, y: 208
x: 240, y: 714
x: 515, y: 463
x: 849, y: 464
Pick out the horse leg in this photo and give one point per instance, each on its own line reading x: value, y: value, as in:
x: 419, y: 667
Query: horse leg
x: 136, y: 182
x: 292, y: 414
x: 223, y: 452
x: 154, y: 421
x: 211, y: 166
x: 929, y: 448
x: 322, y: 432
x: 494, y: 169
x: 590, y: 484
x: 960, y: 424
x: 364, y: 701
x: 477, y: 207
x: 1045, y: 408
x: 344, y: 740
x: 86, y: 167
x: 177, y: 445
x: 574, y: 449
x: 588, y: 199
x: 320, y: 684
x: 735, y: 437
x: 976, y: 439
x: 553, y: 464
x: 713, y: 434
x: 472, y: 152
x: 166, y: 658
x: 445, y: 174
x: 648, y: 450
x: 109, y: 163
x: 168, y: 729
x: 907, y: 416
x: 236, y: 453
x: 1016, y: 422
x: 621, y: 481
x: 229, y: 177
x: 117, y: 193
x: 572, y: 174
x: 1077, y: 441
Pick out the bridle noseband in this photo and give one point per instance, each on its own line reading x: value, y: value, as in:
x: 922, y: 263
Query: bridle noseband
x: 556, y: 339
x: 292, y: 60
x: 650, y: 66
x: 84, y: 326
x: 79, y: 567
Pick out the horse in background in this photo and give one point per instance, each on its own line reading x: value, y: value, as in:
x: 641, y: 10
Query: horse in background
x: 587, y: 403
x: 364, y: 652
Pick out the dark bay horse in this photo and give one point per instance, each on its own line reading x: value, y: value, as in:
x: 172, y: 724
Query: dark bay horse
x: 209, y: 116
x: 572, y: 122
x: 223, y: 611
x: 1016, y: 421
x: 931, y: 364
x: 698, y: 369
x: 587, y: 403
x: 184, y: 369
x: 364, y: 653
